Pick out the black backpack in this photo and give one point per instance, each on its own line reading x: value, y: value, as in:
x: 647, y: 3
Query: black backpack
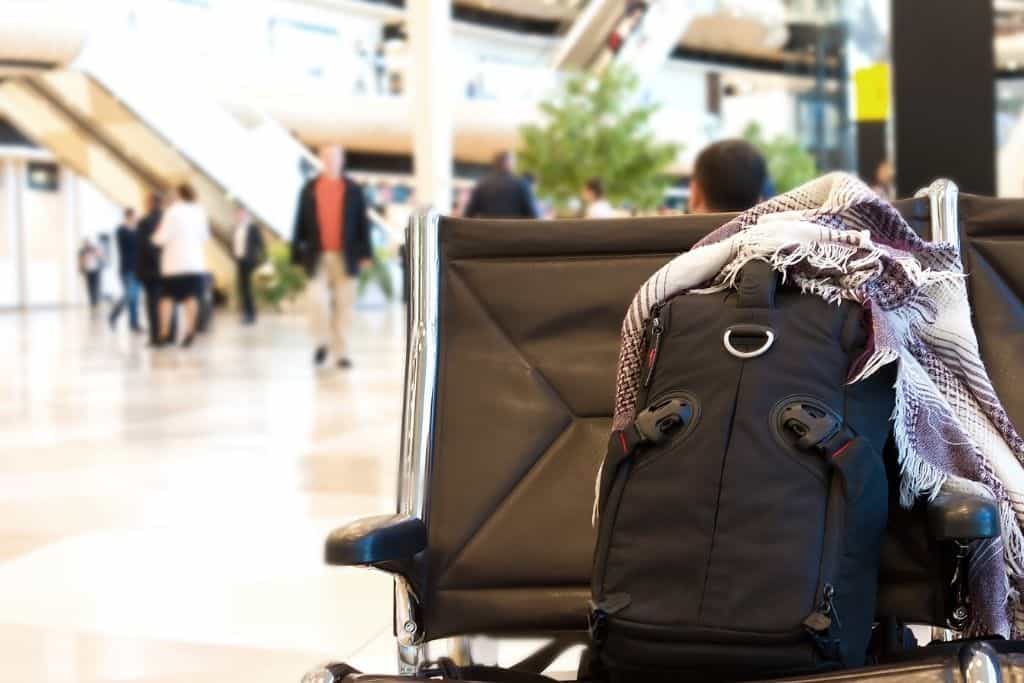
x: 741, y: 515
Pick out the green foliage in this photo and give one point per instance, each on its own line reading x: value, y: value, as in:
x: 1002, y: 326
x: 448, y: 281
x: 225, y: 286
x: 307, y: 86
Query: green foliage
x: 593, y: 127
x: 378, y: 272
x: 278, y: 280
x: 789, y: 165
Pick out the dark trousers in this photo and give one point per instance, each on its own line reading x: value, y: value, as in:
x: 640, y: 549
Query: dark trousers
x: 92, y: 284
x: 245, y: 271
x: 152, y: 289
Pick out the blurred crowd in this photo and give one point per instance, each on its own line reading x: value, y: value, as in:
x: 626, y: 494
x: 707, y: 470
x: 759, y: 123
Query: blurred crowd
x: 161, y: 263
x: 167, y: 291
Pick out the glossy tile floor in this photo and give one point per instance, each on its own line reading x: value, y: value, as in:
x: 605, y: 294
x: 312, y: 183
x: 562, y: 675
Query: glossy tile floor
x: 162, y: 514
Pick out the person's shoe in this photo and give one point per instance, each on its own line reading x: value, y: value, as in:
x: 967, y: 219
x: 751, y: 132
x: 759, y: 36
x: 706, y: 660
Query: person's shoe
x: 320, y: 356
x: 138, y: 330
x: 187, y: 341
x: 160, y: 343
x: 344, y: 363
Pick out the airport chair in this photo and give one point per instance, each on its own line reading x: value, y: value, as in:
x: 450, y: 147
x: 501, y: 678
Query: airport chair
x: 512, y: 349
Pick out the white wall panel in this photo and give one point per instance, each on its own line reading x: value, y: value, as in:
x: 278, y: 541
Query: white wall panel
x: 44, y: 231
x: 9, y: 294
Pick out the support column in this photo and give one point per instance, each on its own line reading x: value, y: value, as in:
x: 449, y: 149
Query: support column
x: 944, y: 94
x: 16, y: 191
x: 70, y: 184
x: 431, y: 100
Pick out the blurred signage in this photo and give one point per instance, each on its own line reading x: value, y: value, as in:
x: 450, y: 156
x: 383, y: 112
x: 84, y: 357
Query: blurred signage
x: 872, y: 85
x: 43, y: 176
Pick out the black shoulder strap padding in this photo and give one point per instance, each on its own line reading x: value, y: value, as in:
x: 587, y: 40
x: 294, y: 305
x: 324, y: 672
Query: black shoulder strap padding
x: 854, y: 337
x: 757, y: 285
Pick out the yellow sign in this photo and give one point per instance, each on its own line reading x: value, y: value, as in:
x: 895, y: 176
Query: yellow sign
x: 872, y: 88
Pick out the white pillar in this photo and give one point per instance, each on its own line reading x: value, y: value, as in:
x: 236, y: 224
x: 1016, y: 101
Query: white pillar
x: 431, y: 100
x: 16, y: 189
x: 71, y: 290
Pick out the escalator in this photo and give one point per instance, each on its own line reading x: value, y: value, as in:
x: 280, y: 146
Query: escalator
x: 124, y: 117
x: 643, y: 34
x: 640, y: 35
x: 41, y: 113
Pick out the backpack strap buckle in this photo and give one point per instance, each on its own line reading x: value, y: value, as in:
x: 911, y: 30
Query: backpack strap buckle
x: 655, y: 424
x: 816, y: 429
x: 652, y: 426
x: 811, y: 425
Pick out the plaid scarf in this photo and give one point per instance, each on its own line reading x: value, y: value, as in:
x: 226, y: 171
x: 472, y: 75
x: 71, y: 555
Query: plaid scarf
x: 836, y: 239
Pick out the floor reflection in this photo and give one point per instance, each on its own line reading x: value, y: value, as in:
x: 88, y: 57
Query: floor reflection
x: 162, y: 514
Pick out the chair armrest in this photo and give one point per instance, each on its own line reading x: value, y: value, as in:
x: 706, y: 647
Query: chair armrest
x: 960, y: 516
x: 375, y: 540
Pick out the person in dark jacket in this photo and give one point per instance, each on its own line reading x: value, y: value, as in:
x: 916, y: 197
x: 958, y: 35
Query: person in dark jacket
x: 249, y: 252
x: 502, y: 194
x: 127, y: 249
x: 147, y: 263
x: 332, y: 242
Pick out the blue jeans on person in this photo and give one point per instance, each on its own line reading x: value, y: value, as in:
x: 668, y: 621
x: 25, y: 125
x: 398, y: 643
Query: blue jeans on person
x: 129, y: 298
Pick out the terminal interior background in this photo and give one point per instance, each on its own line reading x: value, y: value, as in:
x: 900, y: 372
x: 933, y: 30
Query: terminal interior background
x: 163, y: 512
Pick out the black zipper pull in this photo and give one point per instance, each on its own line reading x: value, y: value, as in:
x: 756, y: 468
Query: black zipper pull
x: 830, y: 607
x: 823, y: 626
x: 817, y: 622
x: 653, y: 344
x: 597, y: 621
x: 826, y: 615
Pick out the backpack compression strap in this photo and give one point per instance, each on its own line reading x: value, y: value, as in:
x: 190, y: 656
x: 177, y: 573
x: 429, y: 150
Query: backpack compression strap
x: 651, y: 426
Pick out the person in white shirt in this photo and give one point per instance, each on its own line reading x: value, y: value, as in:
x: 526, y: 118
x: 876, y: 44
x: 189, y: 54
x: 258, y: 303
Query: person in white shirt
x: 182, y: 237
x: 593, y: 198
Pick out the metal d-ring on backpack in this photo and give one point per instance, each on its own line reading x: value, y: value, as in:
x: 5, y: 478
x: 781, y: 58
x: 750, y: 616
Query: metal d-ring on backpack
x: 741, y: 515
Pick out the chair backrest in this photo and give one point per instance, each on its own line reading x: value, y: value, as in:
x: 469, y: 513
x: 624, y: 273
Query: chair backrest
x: 527, y: 343
x: 992, y: 235
x: 991, y: 238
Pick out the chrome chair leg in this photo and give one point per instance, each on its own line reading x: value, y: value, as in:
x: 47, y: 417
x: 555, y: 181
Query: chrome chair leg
x: 979, y: 663
x: 410, y: 657
x: 469, y: 650
x: 460, y: 650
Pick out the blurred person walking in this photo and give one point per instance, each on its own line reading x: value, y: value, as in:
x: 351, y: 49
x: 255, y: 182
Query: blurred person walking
x: 182, y: 237
x: 147, y: 263
x: 90, y: 265
x: 728, y: 176
x: 249, y: 252
x: 593, y: 198
x: 106, y: 258
x: 501, y: 193
x: 332, y: 243
x: 884, y: 182
x: 127, y: 252
x: 380, y: 68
